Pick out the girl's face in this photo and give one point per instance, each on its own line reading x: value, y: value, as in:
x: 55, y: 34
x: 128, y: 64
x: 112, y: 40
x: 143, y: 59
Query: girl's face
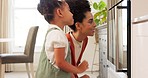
x: 67, y: 15
x: 87, y: 27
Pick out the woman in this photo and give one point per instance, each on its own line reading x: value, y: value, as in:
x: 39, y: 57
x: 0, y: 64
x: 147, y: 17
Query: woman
x: 83, y: 26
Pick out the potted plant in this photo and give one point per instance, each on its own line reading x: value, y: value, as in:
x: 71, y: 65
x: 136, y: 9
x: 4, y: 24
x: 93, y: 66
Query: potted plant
x: 100, y: 15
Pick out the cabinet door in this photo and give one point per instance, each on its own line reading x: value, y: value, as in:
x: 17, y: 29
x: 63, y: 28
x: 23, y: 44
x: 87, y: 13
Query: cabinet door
x: 100, y: 57
x: 140, y: 50
x: 103, y: 52
x: 117, y: 36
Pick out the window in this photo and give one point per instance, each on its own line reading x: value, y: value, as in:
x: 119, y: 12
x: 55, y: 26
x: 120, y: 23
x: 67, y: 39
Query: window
x: 25, y: 15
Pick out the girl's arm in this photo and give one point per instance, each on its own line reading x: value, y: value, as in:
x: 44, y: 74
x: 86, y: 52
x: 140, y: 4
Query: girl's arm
x: 64, y: 65
x: 72, y: 75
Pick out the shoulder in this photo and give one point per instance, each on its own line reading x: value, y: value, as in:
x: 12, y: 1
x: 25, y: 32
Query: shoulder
x: 68, y: 35
x: 54, y: 32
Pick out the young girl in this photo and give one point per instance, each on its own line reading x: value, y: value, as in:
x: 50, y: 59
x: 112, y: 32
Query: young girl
x: 55, y: 58
x: 83, y: 26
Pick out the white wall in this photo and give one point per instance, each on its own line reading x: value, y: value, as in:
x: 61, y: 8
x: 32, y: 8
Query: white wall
x: 139, y: 40
x: 139, y: 50
x: 139, y: 8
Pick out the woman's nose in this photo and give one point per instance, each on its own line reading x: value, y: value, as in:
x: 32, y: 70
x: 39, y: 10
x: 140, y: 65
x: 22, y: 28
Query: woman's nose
x: 95, y: 24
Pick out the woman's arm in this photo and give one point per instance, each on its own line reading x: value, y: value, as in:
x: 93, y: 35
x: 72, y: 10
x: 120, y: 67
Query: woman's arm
x: 64, y: 65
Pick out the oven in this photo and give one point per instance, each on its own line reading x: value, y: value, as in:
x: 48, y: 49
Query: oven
x: 119, y: 35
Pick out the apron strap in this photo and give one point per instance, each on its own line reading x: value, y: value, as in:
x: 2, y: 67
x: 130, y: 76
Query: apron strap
x: 73, y: 51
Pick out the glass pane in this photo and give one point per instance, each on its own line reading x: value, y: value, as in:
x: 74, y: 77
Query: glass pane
x: 111, y: 33
x: 25, y: 3
x: 117, y: 35
x: 23, y: 20
x: 122, y: 24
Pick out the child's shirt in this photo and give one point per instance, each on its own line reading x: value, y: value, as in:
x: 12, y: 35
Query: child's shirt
x: 55, y: 39
x: 46, y: 68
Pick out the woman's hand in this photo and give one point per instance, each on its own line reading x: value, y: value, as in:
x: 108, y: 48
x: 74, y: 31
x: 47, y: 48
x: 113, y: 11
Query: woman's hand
x: 83, y: 66
x: 85, y: 76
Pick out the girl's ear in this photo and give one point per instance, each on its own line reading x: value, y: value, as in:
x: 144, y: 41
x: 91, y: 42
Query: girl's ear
x: 59, y: 12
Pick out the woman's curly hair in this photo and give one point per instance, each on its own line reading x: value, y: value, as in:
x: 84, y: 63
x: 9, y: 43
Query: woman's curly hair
x: 78, y: 8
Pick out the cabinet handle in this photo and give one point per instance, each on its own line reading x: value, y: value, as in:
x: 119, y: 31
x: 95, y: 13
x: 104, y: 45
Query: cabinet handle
x: 104, y: 53
x: 101, y: 59
x: 104, y: 66
x: 107, y: 65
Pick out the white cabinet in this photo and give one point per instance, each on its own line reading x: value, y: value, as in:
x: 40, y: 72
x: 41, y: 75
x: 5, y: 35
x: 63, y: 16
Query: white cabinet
x: 107, y: 69
x: 102, y: 33
x: 139, y: 48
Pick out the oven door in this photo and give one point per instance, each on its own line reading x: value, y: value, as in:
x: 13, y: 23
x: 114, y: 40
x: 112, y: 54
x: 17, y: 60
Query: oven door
x: 117, y: 36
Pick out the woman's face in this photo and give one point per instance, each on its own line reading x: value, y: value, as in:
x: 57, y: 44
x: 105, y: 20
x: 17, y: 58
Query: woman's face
x: 87, y: 27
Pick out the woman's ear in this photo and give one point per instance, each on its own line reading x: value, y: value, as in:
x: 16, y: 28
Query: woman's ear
x: 59, y: 12
x: 78, y: 25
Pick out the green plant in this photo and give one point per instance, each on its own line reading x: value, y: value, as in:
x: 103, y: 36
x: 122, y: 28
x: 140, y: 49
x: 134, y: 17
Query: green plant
x: 100, y: 15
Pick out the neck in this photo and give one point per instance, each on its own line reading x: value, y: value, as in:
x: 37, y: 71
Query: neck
x: 58, y: 24
x: 79, y: 37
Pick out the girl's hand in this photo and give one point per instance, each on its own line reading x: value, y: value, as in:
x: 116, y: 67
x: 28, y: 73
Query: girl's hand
x: 72, y: 75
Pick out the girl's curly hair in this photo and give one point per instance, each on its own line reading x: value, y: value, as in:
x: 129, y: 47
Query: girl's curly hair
x: 46, y: 8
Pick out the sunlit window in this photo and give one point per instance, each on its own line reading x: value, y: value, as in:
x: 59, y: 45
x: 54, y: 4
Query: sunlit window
x: 25, y: 15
